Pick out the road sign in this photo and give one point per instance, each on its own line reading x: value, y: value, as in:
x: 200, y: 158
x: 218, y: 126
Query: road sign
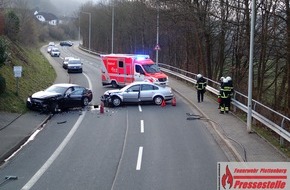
x: 17, y: 71
x: 157, y: 47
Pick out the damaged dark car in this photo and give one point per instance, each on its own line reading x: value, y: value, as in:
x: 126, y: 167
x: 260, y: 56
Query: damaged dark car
x: 59, y: 97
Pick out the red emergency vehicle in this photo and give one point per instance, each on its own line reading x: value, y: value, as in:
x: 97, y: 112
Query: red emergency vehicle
x: 123, y: 69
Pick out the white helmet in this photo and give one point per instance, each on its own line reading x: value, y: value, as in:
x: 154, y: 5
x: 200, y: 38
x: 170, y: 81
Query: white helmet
x: 199, y: 76
x: 225, y: 80
x: 229, y: 78
x: 222, y: 78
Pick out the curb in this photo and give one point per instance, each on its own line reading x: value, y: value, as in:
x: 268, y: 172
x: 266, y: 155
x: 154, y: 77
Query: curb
x: 214, y: 126
x: 21, y: 142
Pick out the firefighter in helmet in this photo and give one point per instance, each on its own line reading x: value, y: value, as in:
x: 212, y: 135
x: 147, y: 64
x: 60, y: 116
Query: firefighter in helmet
x: 221, y: 85
x: 224, y: 95
x: 230, y: 84
x: 200, y: 86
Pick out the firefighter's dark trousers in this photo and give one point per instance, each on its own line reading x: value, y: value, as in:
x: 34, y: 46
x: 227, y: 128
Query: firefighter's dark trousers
x: 225, y: 104
x: 200, y: 95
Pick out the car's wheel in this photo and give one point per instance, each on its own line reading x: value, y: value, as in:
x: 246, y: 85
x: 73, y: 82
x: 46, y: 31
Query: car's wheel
x: 116, y: 101
x: 114, y: 84
x: 158, y: 100
x: 85, y: 101
x: 54, y: 107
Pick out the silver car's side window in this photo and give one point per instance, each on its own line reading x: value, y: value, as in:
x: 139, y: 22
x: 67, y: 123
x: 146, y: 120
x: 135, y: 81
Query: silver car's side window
x: 146, y: 87
x: 134, y: 88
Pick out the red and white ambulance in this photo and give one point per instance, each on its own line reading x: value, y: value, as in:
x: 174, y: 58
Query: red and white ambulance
x: 123, y: 69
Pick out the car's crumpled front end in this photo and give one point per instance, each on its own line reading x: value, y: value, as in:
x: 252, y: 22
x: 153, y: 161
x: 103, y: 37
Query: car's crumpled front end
x: 106, y: 99
x: 41, y: 100
x: 37, y: 104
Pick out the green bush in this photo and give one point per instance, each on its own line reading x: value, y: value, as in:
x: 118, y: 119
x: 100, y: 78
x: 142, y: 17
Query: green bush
x: 2, y: 84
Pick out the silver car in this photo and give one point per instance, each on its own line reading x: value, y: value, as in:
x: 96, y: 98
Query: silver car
x: 74, y: 65
x: 137, y: 92
x: 65, y: 62
x: 55, y: 52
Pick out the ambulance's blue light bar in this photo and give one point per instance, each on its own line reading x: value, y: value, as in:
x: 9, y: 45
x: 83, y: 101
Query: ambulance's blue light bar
x: 141, y: 57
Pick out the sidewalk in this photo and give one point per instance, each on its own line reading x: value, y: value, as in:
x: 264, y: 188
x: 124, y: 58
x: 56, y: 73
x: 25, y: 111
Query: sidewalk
x: 231, y: 130
x: 15, y: 129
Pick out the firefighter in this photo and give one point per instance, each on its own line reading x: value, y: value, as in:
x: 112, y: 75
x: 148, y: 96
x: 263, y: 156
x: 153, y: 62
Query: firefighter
x: 219, y: 98
x: 230, y: 84
x: 224, y: 95
x: 200, y: 86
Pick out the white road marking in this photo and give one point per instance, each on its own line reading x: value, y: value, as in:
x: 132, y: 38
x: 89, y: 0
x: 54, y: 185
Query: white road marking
x: 140, y: 109
x: 142, y: 126
x: 139, y: 159
x: 53, y: 157
x: 31, y: 138
x: 122, y: 154
x: 57, y: 152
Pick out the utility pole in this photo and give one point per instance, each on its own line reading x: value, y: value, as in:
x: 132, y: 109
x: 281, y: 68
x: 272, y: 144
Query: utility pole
x: 157, y: 34
x: 113, y: 18
x: 250, y: 80
x: 90, y: 27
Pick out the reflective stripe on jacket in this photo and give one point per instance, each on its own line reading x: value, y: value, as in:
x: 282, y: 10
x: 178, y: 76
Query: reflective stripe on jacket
x: 200, y: 84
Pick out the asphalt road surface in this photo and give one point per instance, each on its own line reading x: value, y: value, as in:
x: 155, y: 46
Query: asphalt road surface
x: 129, y: 147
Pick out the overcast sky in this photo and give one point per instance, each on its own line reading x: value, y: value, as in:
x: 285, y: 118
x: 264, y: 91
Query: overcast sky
x: 67, y: 7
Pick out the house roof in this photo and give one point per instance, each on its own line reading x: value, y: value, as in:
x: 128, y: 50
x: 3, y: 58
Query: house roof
x: 48, y: 16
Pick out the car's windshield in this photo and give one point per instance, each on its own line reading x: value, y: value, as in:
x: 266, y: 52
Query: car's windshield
x: 57, y: 89
x: 151, y: 68
x: 74, y: 62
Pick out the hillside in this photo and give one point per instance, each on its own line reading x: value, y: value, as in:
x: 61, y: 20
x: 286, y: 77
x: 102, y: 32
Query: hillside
x: 37, y: 74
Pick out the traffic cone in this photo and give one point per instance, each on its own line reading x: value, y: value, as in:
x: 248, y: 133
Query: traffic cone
x: 102, y: 107
x: 173, y: 101
x: 163, y: 103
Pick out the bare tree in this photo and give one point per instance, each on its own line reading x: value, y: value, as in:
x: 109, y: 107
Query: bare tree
x: 28, y: 33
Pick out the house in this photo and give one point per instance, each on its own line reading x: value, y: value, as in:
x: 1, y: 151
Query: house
x: 46, y: 17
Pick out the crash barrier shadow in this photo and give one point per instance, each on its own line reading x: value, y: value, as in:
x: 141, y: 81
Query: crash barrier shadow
x: 259, y: 111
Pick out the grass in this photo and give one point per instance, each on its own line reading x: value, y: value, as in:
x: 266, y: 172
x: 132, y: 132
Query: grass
x: 272, y: 139
x: 37, y: 74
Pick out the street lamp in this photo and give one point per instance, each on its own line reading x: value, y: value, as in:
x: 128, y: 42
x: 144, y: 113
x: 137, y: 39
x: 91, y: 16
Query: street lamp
x: 250, y: 80
x: 90, y: 27
x: 157, y: 33
x: 113, y: 17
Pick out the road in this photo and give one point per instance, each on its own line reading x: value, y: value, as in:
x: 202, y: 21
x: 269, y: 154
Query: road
x: 130, y: 147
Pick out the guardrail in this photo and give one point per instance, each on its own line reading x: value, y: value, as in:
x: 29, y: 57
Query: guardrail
x: 260, y: 112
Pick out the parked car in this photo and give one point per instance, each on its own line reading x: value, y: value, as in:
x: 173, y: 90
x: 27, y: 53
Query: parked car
x: 137, y: 92
x: 55, y: 52
x: 65, y: 62
x: 59, y: 97
x: 66, y: 43
x: 74, y: 65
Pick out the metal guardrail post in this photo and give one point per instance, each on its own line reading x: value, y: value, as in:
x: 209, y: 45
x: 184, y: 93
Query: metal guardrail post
x: 281, y: 138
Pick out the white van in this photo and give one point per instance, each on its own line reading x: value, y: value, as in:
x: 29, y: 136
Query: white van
x: 74, y: 65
